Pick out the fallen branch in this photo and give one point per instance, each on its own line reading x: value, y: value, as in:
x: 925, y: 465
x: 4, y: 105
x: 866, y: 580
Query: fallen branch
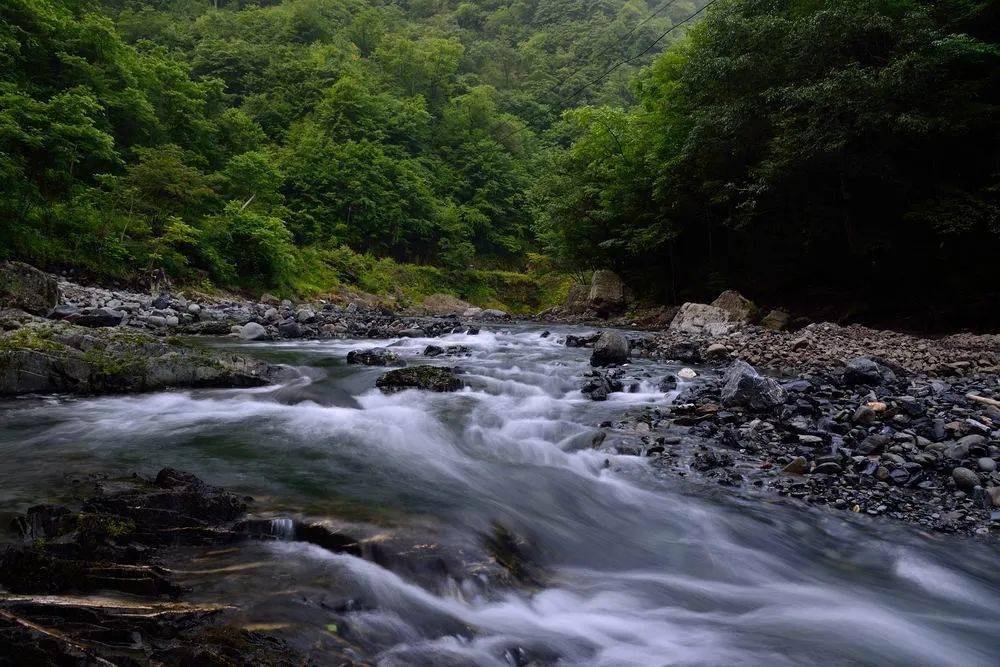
x: 982, y: 399
x: 56, y: 635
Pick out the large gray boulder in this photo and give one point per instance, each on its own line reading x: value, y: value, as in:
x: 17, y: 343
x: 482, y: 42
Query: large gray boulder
x: 611, y: 349
x: 699, y: 318
x: 24, y: 287
x: 253, y: 331
x: 743, y: 386
x: 59, y: 357
x: 740, y: 308
x: 608, y: 294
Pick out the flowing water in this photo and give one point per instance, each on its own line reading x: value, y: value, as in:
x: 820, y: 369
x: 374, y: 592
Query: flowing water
x: 633, y: 567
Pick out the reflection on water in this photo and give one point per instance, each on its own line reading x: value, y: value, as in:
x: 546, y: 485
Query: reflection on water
x: 639, y: 570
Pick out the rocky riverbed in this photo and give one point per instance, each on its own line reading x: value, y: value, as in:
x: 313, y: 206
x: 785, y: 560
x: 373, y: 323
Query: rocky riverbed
x: 910, y: 433
x: 556, y: 463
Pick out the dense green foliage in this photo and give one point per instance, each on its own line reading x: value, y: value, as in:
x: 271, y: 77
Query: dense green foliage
x: 798, y: 144
x: 247, y: 142
x: 778, y: 146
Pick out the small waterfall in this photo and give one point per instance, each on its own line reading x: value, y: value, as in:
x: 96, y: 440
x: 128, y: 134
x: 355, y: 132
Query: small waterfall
x: 283, y: 529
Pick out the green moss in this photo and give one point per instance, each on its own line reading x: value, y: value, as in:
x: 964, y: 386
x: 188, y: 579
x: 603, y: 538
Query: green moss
x: 31, y: 338
x: 107, y: 365
x: 106, y: 525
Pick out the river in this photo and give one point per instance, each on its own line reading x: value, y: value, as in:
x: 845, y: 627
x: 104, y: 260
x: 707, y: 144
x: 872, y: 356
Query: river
x: 630, y: 566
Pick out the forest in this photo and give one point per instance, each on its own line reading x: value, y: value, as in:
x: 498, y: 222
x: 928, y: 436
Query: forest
x: 795, y: 149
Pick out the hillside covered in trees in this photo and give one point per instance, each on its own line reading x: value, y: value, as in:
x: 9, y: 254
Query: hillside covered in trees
x: 786, y: 147
x: 247, y: 142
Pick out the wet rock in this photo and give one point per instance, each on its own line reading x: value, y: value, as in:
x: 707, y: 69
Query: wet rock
x: 743, y: 386
x: 26, y: 288
x: 448, y: 351
x: 599, y: 385
x: 63, y: 611
x: 429, y: 378
x: 986, y: 464
x: 581, y: 341
x: 253, y: 331
x: 611, y: 349
x: 374, y: 356
x: 687, y: 374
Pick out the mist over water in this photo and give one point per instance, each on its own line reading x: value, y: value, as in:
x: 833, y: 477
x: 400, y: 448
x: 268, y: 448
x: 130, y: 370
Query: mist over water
x: 636, y: 568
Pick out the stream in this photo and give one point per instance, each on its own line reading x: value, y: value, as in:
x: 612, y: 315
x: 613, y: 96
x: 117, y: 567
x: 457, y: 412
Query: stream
x: 634, y: 567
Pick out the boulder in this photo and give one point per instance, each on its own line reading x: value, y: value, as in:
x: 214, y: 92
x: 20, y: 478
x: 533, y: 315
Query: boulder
x: 864, y: 371
x: 290, y: 329
x: 63, y: 358
x: 24, y: 287
x: 698, y: 318
x: 97, y: 317
x: 429, y: 378
x: 611, y: 349
x: 253, y: 331
x: 965, y: 479
x: 472, y: 312
x: 305, y: 315
x: 716, y: 351
x: 445, y: 304
x: 374, y: 356
x: 599, y: 385
x: 776, y: 320
x: 743, y: 386
x: 687, y: 352
x: 494, y: 314
x: 740, y: 308
x: 608, y: 294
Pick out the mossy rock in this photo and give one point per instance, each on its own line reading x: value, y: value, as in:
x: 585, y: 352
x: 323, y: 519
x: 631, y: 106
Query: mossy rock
x: 429, y: 378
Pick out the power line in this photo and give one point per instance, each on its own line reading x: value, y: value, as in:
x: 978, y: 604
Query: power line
x: 582, y: 62
x: 621, y: 40
x: 615, y: 66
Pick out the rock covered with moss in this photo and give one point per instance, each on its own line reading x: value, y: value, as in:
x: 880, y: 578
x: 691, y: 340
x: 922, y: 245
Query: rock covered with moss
x: 59, y: 357
x: 429, y: 378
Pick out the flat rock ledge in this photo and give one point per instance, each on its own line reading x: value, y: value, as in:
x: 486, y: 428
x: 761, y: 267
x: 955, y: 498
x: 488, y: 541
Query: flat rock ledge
x: 59, y: 357
x: 86, y: 585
